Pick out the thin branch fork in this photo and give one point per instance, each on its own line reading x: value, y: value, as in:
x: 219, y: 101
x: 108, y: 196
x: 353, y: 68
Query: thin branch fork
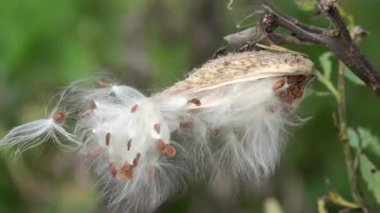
x: 338, y: 40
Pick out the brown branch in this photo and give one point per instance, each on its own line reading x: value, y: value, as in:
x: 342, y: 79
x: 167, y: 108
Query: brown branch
x: 338, y: 40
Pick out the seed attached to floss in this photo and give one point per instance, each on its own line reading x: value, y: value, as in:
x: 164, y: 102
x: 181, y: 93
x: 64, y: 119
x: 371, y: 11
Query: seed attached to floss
x: 161, y: 146
x: 186, y: 125
x: 134, y: 108
x: 295, y: 79
x: 195, y: 101
x: 59, y: 116
x: 170, y: 150
x: 296, y: 91
x: 127, y: 171
x: 108, y: 138
x: 136, y: 160
x: 112, y: 170
x: 280, y: 83
x: 129, y: 143
x: 164, y: 148
x: 157, y: 128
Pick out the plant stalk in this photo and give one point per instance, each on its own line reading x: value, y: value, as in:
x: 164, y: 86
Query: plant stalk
x: 343, y: 137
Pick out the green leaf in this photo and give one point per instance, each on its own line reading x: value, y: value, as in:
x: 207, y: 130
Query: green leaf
x: 352, y: 77
x: 371, y: 175
x: 326, y: 64
x: 370, y: 143
x: 306, y: 5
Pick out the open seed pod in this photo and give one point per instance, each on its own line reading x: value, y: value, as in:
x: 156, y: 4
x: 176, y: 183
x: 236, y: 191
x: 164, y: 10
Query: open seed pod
x: 228, y: 117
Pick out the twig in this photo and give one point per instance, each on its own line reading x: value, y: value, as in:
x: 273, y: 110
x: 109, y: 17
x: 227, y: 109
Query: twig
x: 338, y: 40
x: 352, y: 164
x: 342, y: 130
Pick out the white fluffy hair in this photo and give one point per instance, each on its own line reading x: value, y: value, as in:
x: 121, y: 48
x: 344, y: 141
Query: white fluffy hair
x: 146, y: 149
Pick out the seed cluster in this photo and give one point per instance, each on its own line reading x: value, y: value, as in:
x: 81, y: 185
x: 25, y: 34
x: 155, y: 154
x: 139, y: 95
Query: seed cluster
x: 290, y: 88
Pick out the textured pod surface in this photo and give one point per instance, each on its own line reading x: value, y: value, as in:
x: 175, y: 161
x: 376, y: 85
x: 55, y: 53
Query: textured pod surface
x: 243, y: 67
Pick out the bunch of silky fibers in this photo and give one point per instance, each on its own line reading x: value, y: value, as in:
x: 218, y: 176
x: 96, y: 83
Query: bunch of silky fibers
x: 227, y: 118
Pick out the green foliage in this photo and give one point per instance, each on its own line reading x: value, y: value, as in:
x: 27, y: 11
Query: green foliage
x: 361, y: 138
x: 326, y: 63
x: 325, y: 76
x: 369, y: 143
x: 352, y: 77
x: 371, y: 175
x: 306, y: 5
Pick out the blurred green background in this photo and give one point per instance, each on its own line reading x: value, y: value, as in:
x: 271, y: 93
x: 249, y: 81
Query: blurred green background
x: 149, y: 44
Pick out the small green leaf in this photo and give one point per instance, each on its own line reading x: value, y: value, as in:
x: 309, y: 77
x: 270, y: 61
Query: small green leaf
x: 306, y: 5
x: 326, y: 64
x: 370, y: 143
x: 371, y: 175
x: 352, y: 77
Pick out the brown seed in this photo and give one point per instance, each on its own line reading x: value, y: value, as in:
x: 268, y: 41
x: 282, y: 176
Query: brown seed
x: 186, y: 125
x: 136, y: 160
x: 108, y: 138
x: 161, y: 146
x: 280, y: 83
x: 170, y: 150
x: 129, y: 144
x: 112, y: 170
x: 127, y: 170
x: 134, y: 108
x: 157, y: 128
x: 292, y: 80
x: 59, y: 116
x: 195, y: 101
x: 126, y: 167
x: 295, y: 91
